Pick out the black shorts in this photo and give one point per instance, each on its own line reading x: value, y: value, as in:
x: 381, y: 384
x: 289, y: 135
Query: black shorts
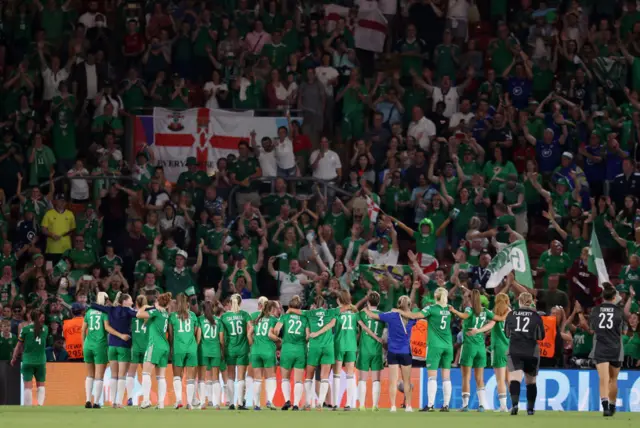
x: 400, y: 359
x: 614, y: 364
x: 529, y: 365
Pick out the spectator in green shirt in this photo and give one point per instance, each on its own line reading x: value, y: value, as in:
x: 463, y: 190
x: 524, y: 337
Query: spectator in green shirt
x: 242, y: 171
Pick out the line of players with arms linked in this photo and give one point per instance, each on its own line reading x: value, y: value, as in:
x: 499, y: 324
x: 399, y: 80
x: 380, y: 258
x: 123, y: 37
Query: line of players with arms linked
x: 225, y: 342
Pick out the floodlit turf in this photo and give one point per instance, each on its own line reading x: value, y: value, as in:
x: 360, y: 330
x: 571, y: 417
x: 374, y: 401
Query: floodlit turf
x: 65, y: 417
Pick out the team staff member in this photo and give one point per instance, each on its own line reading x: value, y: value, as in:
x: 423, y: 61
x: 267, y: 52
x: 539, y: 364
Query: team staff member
x: 607, y: 322
x: 399, y: 348
x: 57, y: 225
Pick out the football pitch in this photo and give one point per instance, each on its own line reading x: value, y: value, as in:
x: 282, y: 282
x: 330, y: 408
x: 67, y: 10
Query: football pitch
x: 65, y: 417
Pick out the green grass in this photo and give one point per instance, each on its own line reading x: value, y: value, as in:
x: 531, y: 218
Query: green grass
x: 66, y: 417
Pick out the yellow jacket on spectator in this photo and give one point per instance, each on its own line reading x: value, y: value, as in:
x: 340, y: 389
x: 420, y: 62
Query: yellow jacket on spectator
x: 59, y: 223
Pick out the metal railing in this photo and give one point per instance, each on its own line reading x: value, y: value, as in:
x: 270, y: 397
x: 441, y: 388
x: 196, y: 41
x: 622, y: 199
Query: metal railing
x: 323, y: 186
x: 64, y: 179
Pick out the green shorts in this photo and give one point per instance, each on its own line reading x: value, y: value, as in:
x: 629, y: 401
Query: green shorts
x: 499, y: 357
x: 96, y: 355
x: 29, y: 371
x: 158, y: 356
x: 345, y: 356
x: 262, y: 360
x: 237, y: 360
x: 137, y: 356
x: 187, y: 359
x: 321, y: 356
x: 473, y: 356
x: 439, y: 358
x: 366, y: 362
x: 121, y: 355
x: 293, y: 359
x: 209, y: 362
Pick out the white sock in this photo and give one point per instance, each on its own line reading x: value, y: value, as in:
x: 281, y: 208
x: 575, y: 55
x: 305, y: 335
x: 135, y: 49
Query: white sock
x: 297, y: 393
x: 131, y: 383
x: 465, y: 398
x: 113, y: 388
x: 191, y: 391
x: 502, y: 398
x: 230, y: 391
x: 481, y: 397
x: 351, y: 389
x: 88, y: 388
x: 146, y: 388
x: 202, y: 386
x: 336, y: 391
x: 362, y: 393
x: 375, y: 392
x: 324, y: 388
x: 271, y: 384
x: 28, y: 397
x: 308, y: 392
x: 248, y: 388
x: 40, y: 396
x: 177, y: 388
x: 122, y: 385
x: 98, y: 385
x: 432, y: 388
x: 446, y: 392
x: 162, y: 390
x: 257, y: 389
x: 215, y: 393
x: 286, y: 389
x: 241, y: 392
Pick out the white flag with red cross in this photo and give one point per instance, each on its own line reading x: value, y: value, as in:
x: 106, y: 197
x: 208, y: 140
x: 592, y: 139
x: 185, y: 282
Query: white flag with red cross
x: 373, y: 209
x: 205, y: 134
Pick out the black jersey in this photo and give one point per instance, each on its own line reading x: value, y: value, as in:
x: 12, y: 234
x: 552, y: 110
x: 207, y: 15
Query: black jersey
x: 524, y: 327
x: 607, y: 321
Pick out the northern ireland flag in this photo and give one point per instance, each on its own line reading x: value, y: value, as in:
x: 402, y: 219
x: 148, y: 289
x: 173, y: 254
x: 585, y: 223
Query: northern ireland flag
x: 371, y: 25
x: 205, y: 134
x: 373, y: 209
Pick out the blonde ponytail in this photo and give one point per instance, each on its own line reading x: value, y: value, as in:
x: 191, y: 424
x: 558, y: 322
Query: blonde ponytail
x: 441, y: 295
x: 101, y: 298
x: 236, y: 301
x: 116, y: 301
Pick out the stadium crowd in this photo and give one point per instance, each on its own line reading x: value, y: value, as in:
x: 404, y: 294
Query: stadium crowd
x: 479, y: 125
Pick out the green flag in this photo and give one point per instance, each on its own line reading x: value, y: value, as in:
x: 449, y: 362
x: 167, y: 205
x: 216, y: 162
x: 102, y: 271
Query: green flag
x: 596, y: 262
x: 610, y: 72
x: 513, y: 257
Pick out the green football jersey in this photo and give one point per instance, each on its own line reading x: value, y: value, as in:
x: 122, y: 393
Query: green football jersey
x: 139, y: 335
x: 109, y: 264
x: 184, y: 333
x: 34, y: 344
x: 7, y: 345
x: 498, y: 338
x: 439, y: 330
x: 475, y: 322
x: 210, y: 341
x: 235, y: 331
x: 346, y: 330
x: 157, y: 325
x: 368, y: 345
x: 261, y: 341
x: 96, y: 333
x: 318, y: 318
x: 294, y: 330
x: 255, y: 315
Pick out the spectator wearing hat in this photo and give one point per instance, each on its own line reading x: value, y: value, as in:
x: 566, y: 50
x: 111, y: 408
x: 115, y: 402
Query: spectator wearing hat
x: 57, y: 225
x: 193, y: 173
x: 179, y: 278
